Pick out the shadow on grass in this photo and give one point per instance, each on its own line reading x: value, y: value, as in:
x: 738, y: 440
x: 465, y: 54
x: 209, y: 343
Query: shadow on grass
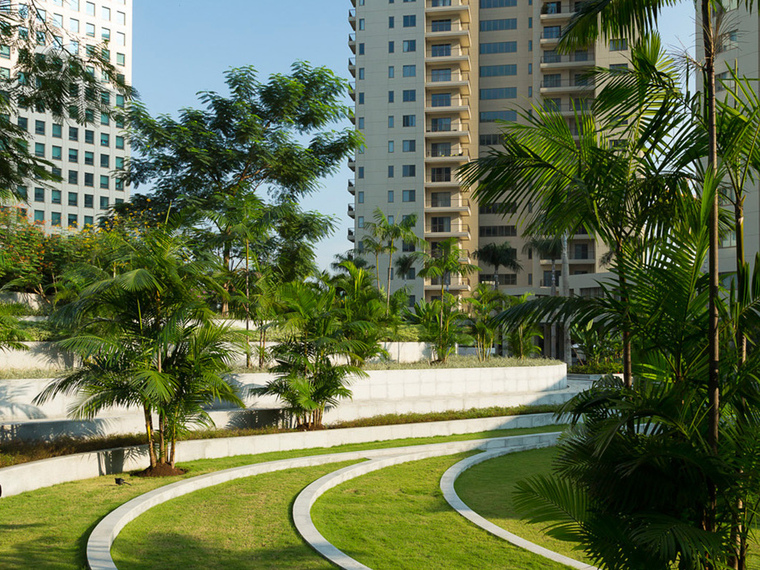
x: 178, y: 551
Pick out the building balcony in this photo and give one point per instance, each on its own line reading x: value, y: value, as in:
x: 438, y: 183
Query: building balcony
x: 455, y: 229
x: 352, y: 162
x: 455, y: 32
x: 459, y: 81
x: 351, y: 236
x: 352, y: 116
x: 441, y: 157
x: 572, y: 61
x: 461, y: 8
x: 352, y: 42
x: 567, y: 86
x: 454, y: 204
x: 351, y: 211
x: 352, y: 18
x: 550, y: 37
x: 456, y: 54
x: 450, y: 283
x: 352, y: 66
x: 459, y: 132
x: 460, y: 105
x: 352, y: 187
x: 443, y: 182
x: 352, y: 91
x: 556, y: 12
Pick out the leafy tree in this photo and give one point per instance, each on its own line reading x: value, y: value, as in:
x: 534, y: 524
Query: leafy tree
x: 309, y: 377
x: 442, y: 323
x: 485, y: 304
x: 498, y: 255
x: 521, y: 336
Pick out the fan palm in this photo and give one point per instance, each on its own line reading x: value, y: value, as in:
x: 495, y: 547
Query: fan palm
x: 498, y: 255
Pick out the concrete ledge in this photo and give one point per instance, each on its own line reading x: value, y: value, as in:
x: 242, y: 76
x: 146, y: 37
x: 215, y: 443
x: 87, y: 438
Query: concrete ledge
x: 102, y: 537
x: 36, y: 474
x: 449, y: 493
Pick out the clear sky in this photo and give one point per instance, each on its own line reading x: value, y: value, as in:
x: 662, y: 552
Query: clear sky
x: 184, y: 46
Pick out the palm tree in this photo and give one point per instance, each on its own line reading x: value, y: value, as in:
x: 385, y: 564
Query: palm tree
x: 404, y: 265
x: 388, y: 233
x: 485, y: 304
x: 498, y: 255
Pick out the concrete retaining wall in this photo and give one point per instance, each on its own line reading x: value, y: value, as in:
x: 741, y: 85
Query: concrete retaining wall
x: 37, y: 474
x: 383, y: 392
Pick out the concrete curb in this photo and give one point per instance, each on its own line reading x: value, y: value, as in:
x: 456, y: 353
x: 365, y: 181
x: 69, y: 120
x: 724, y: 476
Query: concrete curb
x: 306, y: 499
x: 449, y: 493
x: 36, y: 474
x: 102, y: 537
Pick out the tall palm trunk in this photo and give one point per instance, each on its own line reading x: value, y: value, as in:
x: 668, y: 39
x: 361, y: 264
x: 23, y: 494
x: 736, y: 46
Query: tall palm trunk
x: 247, y: 306
x: 151, y: 436
x: 566, y: 349
x: 388, y: 291
x: 553, y: 330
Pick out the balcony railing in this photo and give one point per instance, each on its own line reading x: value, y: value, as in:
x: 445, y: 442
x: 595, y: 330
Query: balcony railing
x: 455, y: 51
x: 456, y: 128
x: 454, y: 77
x: 452, y: 102
x: 567, y: 107
x: 565, y: 83
x: 554, y: 8
x: 351, y: 187
x: 551, y: 34
x: 444, y: 28
x: 588, y: 57
x: 447, y: 153
x: 449, y: 281
x: 454, y: 228
x: 447, y: 3
x: 351, y: 211
x: 351, y: 235
x: 453, y: 202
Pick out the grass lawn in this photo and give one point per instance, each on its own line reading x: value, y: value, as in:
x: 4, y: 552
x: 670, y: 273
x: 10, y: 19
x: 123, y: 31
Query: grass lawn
x: 396, y: 518
x: 48, y: 528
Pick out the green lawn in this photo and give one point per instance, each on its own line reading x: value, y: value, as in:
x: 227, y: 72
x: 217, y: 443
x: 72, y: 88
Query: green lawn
x: 396, y: 518
x: 48, y: 528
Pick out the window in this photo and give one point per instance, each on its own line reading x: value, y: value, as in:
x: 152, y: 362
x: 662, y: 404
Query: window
x: 361, y: 23
x: 360, y: 222
x: 440, y: 125
x: 23, y: 123
x: 39, y: 149
x: 89, y: 137
x: 490, y: 139
x: 89, y: 179
x: 390, y: 196
x: 103, y: 202
x: 105, y: 13
x: 73, y: 199
x: 89, y: 30
x: 39, y: 194
x: 104, y: 119
x: 360, y: 172
x: 5, y: 51
x: 409, y: 45
x: 360, y: 123
x: 552, y: 8
x: 121, y: 59
x: 89, y: 158
x: 105, y: 181
x: 498, y: 70
x: 391, y: 21
x: 73, y: 177
x: 39, y: 216
x: 440, y: 149
x: 409, y: 95
x: 361, y: 73
x: 119, y: 184
x: 89, y: 8
x: 73, y: 133
x: 495, y: 25
x: 360, y: 52
x: 410, y: 71
x: 498, y: 3
x: 439, y: 224
x: 88, y: 221
x: 121, y: 39
x: 73, y: 155
x: 73, y: 220
x: 390, y: 121
x: 409, y: 145
x: 57, y: 130
x: 55, y: 219
x: 390, y: 146
x: 440, y: 75
x: 58, y: 20
x: 409, y: 170
x: 493, y: 116
x: 409, y: 120
x: 121, y: 18
x: 410, y: 21
x: 407, y: 247
x: 39, y: 127
x: 619, y: 44
x: 498, y: 93
x: 360, y: 98
x: 498, y: 47
x: 57, y: 153
x: 57, y: 172
x: 391, y: 171
x: 360, y: 197
x: 440, y: 26
x: 618, y: 67
x: 105, y: 161
x: 442, y: 174
x: 120, y: 101
x: 440, y: 50
x: 498, y: 231
x: 390, y: 96
x: 55, y: 196
x: 391, y: 47
x: 391, y: 72
x: 440, y: 100
x: 105, y: 139
x: 408, y: 195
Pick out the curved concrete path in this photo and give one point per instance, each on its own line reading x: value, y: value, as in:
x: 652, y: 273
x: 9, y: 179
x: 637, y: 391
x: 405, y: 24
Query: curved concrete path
x: 449, y: 493
x: 102, y: 537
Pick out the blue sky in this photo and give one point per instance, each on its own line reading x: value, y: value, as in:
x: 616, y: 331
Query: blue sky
x: 184, y: 46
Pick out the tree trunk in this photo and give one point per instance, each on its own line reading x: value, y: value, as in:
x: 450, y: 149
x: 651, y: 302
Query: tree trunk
x: 151, y: 437
x: 567, y: 350
x: 741, y: 339
x: 388, y: 292
x: 247, y: 308
x: 162, y: 438
x: 227, y: 258
x: 553, y: 331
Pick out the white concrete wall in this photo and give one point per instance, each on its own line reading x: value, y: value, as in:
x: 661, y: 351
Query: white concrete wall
x: 38, y: 474
x: 39, y: 355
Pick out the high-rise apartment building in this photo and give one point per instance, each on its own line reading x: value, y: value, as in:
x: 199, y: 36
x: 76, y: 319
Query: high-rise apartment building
x: 84, y: 155
x: 433, y: 78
